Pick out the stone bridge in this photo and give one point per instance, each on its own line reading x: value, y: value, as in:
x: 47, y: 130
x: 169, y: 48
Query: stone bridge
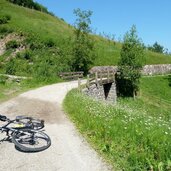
x: 102, y: 86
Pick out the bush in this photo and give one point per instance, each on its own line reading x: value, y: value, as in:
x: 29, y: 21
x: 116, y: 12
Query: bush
x: 6, y: 30
x: 49, y: 43
x: 27, y: 55
x: 36, y: 45
x: 4, y: 19
x: 11, y: 67
x: 24, y: 55
x: 31, y: 4
x: 13, y: 44
x: 3, y: 79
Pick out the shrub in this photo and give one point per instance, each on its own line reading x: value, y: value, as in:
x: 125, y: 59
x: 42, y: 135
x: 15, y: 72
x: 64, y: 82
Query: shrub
x: 27, y: 55
x: 6, y: 30
x: 11, y: 67
x: 3, y: 79
x: 36, y: 45
x: 24, y: 55
x: 49, y: 43
x: 4, y: 19
x: 13, y: 44
x: 18, y: 55
x: 156, y: 47
x: 31, y: 4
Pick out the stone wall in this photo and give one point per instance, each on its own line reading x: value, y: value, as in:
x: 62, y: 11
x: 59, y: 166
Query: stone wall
x: 106, y: 92
x: 103, y: 69
x: 147, y: 69
x: 156, y: 69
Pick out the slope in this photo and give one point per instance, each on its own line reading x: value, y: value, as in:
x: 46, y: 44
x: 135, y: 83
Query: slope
x: 49, y: 38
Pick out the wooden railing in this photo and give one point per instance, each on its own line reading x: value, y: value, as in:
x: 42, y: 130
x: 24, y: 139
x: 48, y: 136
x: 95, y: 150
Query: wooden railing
x: 100, y: 78
x: 71, y: 75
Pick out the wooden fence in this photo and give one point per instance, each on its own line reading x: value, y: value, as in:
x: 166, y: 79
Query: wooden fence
x: 100, y: 78
x: 71, y: 75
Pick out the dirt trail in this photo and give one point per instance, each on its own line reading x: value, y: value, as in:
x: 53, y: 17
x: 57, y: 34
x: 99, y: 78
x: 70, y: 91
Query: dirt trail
x: 68, y: 152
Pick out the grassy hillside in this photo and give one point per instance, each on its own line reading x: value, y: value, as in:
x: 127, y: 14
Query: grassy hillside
x: 133, y: 135
x: 35, y: 23
x: 41, y: 28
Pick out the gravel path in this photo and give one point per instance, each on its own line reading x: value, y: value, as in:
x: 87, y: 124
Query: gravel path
x: 68, y: 152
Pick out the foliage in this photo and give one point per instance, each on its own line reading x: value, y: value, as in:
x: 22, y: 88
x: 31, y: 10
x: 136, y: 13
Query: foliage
x: 10, y: 67
x: 35, y: 45
x: 83, y: 44
x: 3, y: 79
x: 27, y: 55
x: 130, y: 64
x: 31, y: 4
x: 12, y: 44
x: 4, y: 19
x: 156, y: 48
x: 46, y: 67
x: 5, y: 30
x: 49, y: 43
x: 107, y: 53
x: 169, y: 80
x: 133, y: 135
x: 62, y: 35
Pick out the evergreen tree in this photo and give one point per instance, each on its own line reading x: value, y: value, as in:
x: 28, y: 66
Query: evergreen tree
x: 130, y: 64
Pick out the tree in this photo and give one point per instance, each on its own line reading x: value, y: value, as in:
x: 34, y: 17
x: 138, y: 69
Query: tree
x: 156, y: 48
x: 83, y: 48
x: 130, y: 64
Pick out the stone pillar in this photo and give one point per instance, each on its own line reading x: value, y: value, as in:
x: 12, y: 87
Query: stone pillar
x: 112, y: 96
x: 105, y: 93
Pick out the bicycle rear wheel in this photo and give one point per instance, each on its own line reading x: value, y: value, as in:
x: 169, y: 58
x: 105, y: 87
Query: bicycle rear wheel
x: 28, y: 140
x: 32, y: 122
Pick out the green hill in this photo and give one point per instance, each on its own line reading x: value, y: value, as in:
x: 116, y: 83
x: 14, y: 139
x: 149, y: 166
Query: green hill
x: 46, y: 40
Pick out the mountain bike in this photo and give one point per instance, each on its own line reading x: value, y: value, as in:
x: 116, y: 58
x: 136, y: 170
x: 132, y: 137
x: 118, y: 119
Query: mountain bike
x: 26, y: 133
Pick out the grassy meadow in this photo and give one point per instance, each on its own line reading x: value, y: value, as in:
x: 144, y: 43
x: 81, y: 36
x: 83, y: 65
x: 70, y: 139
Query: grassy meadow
x: 40, y: 28
x: 134, y: 134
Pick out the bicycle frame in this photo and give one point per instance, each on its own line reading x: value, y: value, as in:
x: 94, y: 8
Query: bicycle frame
x: 6, y: 129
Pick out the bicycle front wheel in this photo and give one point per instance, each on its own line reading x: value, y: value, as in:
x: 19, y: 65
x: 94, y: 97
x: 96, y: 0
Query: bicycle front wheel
x: 29, y: 140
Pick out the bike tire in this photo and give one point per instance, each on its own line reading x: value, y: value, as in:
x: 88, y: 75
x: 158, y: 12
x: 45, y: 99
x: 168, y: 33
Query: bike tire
x: 27, y: 139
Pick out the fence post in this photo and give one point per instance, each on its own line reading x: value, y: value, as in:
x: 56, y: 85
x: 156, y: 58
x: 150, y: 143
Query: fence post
x: 108, y: 76
x: 79, y: 85
x: 96, y: 78
x: 101, y: 78
x: 88, y: 81
x: 113, y: 74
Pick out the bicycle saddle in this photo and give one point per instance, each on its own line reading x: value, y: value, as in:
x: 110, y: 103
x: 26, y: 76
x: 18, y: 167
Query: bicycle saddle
x: 3, y: 118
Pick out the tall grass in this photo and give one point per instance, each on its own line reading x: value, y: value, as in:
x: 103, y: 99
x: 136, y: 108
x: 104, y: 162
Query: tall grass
x: 133, y: 135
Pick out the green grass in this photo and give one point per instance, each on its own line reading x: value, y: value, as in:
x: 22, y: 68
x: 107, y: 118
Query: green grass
x: 10, y: 89
x: 40, y: 27
x: 134, y: 134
